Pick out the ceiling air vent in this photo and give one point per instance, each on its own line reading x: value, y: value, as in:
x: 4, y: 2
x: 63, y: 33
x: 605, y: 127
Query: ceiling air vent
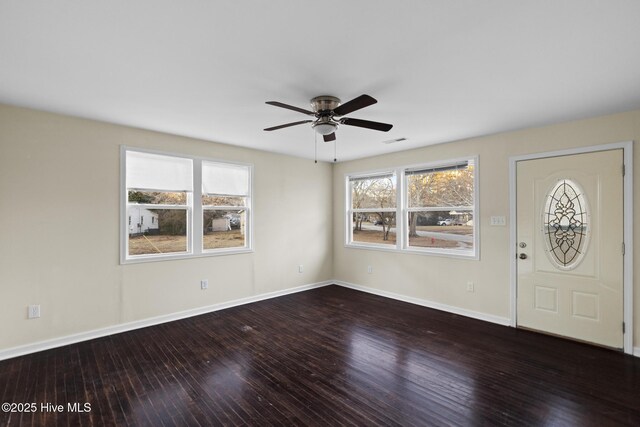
x: 393, y: 141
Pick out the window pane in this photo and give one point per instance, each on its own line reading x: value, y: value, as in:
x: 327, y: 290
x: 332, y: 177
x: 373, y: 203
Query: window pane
x: 158, y: 197
x: 374, y: 227
x: 441, y: 229
x: 453, y: 187
x: 373, y: 192
x: 224, y: 229
x: 213, y: 200
x: 157, y: 231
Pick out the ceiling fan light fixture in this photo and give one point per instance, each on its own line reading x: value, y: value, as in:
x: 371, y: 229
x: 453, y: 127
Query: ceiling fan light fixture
x: 325, y: 128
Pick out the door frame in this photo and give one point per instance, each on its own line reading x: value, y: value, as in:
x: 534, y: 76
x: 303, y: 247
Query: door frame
x: 627, y: 147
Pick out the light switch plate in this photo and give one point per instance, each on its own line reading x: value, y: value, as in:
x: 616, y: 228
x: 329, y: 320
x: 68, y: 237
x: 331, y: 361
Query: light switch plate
x: 498, y: 221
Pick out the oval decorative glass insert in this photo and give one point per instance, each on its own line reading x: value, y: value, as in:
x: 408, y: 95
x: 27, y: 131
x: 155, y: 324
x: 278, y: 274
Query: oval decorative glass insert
x: 566, y: 224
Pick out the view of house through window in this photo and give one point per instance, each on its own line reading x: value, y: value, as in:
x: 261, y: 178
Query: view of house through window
x: 159, y: 190
x: 161, y: 207
x: 153, y: 230
x: 435, y: 213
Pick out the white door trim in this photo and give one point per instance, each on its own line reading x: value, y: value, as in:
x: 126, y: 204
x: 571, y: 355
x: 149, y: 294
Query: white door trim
x: 627, y: 147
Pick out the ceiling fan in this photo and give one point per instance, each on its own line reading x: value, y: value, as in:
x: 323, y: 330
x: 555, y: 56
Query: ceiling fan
x: 326, y: 109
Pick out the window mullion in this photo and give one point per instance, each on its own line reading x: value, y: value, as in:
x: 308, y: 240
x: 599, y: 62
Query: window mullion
x: 152, y: 206
x: 348, y: 212
x: 196, y: 226
x: 223, y: 208
x: 400, y: 211
x: 440, y: 208
x: 374, y: 210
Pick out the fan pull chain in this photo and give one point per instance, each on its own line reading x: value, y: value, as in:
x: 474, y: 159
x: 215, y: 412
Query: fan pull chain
x: 335, y: 150
x: 315, y: 156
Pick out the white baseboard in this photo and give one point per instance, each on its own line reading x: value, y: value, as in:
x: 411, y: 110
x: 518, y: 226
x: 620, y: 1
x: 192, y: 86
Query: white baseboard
x: 425, y: 303
x: 124, y: 327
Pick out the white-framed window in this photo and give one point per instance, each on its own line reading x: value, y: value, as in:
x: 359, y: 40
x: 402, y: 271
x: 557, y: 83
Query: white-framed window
x: 174, y: 206
x: 428, y: 208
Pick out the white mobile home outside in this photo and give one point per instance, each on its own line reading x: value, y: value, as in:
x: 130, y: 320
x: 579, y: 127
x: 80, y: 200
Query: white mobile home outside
x: 142, y: 220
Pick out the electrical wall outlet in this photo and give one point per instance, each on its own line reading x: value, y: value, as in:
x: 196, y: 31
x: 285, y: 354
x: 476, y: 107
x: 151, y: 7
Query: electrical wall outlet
x: 300, y: 268
x: 470, y: 287
x: 369, y: 269
x: 204, y: 284
x: 33, y: 311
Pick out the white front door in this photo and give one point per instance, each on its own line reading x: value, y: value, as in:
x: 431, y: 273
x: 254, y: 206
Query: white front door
x: 570, y: 246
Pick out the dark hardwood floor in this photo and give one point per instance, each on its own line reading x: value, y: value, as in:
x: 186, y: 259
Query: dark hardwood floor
x: 331, y: 356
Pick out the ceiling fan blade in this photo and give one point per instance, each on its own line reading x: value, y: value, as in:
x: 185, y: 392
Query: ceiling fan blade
x: 384, y: 127
x: 288, y: 124
x: 290, y: 107
x: 330, y: 137
x: 353, y: 105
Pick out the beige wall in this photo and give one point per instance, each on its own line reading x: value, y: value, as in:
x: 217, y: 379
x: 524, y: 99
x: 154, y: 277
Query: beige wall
x: 443, y: 280
x: 59, y: 211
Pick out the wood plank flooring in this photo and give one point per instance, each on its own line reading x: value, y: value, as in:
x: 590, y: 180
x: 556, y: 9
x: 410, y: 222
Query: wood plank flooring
x: 330, y: 356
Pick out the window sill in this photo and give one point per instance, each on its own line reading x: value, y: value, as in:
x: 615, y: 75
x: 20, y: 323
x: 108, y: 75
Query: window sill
x: 173, y: 257
x: 416, y: 251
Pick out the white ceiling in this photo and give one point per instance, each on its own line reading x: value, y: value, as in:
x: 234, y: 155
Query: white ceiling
x: 441, y: 70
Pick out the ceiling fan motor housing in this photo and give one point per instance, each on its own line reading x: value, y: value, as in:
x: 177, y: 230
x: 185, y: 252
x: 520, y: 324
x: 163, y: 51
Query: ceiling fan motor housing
x: 323, y: 106
x: 324, y: 103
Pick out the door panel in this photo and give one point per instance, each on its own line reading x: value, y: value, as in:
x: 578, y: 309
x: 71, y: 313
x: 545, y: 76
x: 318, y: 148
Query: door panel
x: 570, y: 221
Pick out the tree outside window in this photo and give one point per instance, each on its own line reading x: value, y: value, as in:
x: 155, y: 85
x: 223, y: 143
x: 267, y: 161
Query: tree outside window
x: 436, y: 213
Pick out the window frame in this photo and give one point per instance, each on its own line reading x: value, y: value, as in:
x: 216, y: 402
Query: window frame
x: 194, y: 207
x: 402, y: 210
